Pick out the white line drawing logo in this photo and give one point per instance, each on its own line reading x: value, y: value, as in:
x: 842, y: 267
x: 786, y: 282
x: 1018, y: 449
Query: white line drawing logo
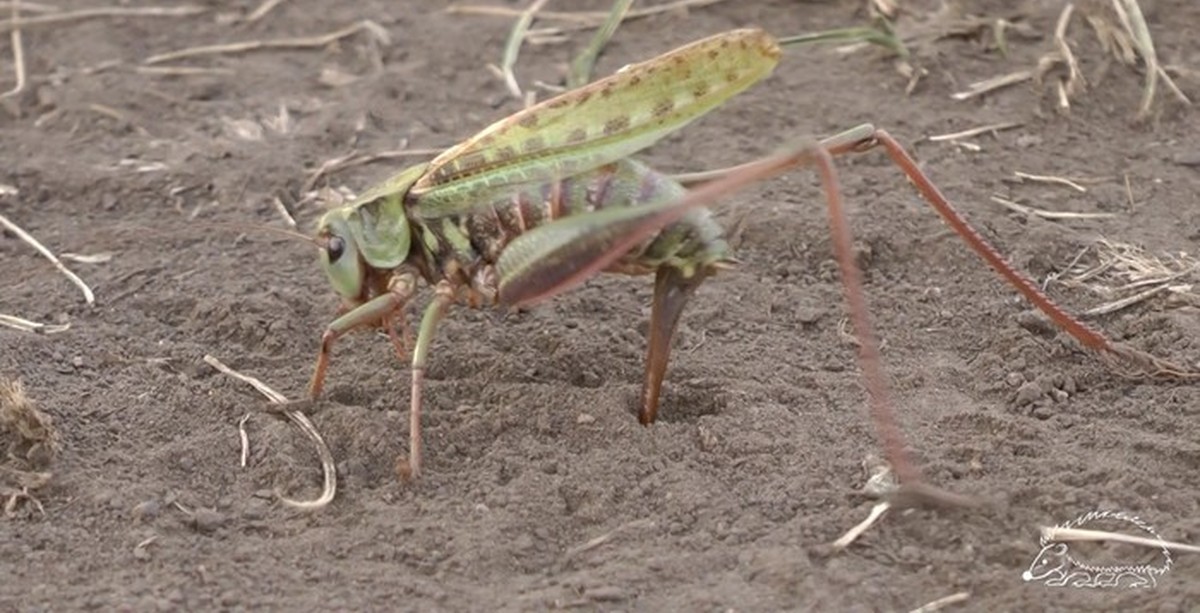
x: 1054, y: 565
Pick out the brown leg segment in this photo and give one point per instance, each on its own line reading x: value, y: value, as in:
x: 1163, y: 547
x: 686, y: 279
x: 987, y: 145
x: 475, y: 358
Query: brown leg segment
x: 378, y: 309
x: 671, y: 293
x: 1142, y: 363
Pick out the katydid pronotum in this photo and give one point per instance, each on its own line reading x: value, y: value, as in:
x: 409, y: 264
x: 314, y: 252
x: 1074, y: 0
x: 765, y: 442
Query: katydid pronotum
x: 547, y: 198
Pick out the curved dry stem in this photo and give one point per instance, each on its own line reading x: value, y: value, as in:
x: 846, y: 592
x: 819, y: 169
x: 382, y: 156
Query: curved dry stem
x: 329, y: 490
x: 74, y: 278
x: 327, y: 467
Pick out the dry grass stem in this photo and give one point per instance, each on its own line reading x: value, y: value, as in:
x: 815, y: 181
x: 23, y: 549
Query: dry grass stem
x: 1124, y: 303
x: 95, y: 258
x: 352, y: 159
x: 25, y: 325
x: 111, y: 11
x: 605, y: 538
x: 33, y: 443
x: 266, y: 7
x: 38, y: 441
x: 1130, y: 14
x: 943, y: 602
x: 1126, y: 42
x: 581, y: 68
x: 245, y: 438
x: 1117, y: 269
x: 512, y: 49
x: 852, y: 535
x: 1113, y: 41
x: 887, y: 8
x: 548, y: 87
x: 25, y: 236
x: 992, y: 129
x: 881, y: 483
x: 980, y: 88
x: 24, y: 482
x: 305, y: 425
x: 283, y: 212
x: 31, y: 7
x: 299, y: 42
x: 18, y: 53
x: 581, y: 19
x: 540, y: 37
x: 183, y: 71
x: 1077, y: 534
x: 1044, y: 214
x: 1064, y: 97
x: 1075, y: 81
x: 1051, y: 179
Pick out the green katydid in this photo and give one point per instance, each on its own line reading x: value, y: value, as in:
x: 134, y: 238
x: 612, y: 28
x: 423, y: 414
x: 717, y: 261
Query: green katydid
x: 545, y: 199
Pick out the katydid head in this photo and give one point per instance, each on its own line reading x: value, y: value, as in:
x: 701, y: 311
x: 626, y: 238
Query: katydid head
x: 364, y: 239
x: 340, y: 257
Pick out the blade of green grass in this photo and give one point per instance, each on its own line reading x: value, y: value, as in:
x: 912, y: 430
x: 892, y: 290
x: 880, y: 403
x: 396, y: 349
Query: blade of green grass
x: 581, y: 68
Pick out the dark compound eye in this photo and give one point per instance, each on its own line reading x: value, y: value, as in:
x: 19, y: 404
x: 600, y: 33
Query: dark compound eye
x: 335, y: 248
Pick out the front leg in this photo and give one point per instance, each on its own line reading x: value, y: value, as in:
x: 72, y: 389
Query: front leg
x: 410, y: 469
x: 378, y: 309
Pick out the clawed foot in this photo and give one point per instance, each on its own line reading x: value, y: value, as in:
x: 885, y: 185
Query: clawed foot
x: 406, y: 470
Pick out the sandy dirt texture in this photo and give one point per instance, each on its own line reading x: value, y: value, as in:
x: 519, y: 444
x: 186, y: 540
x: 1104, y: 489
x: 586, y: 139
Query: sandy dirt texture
x: 541, y: 490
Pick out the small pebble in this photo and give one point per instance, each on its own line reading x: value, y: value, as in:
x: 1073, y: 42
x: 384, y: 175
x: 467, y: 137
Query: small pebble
x: 1029, y: 140
x: 1068, y: 385
x: 146, y: 510
x: 254, y: 511
x: 809, y: 315
x: 584, y: 418
x: 1187, y: 158
x: 1014, y: 379
x: 205, y: 520
x: 1028, y: 392
x: 608, y: 593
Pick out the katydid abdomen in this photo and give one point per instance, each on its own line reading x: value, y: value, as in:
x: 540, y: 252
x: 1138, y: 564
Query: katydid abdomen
x: 459, y: 248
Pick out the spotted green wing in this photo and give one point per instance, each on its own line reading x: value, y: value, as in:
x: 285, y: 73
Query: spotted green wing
x: 600, y: 123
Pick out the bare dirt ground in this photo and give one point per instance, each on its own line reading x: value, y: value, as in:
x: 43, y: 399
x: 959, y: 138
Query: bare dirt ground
x: 533, y: 448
